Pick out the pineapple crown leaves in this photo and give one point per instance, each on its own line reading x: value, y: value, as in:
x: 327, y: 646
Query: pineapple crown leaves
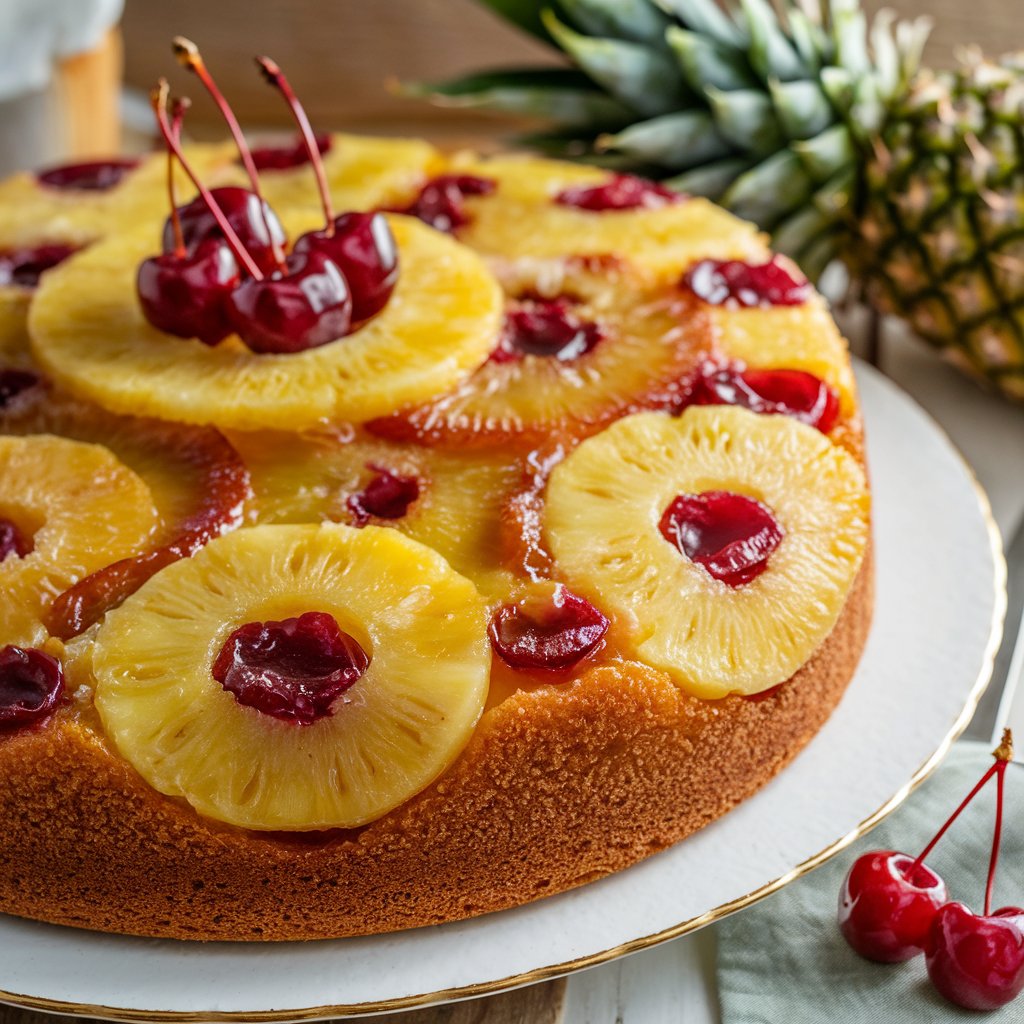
x: 765, y: 109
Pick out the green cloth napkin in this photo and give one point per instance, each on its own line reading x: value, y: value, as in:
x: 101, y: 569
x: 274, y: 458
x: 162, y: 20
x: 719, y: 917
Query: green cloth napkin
x: 783, y: 961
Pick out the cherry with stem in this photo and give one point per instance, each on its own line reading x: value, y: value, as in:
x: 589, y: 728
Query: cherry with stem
x: 977, y: 960
x: 189, y: 57
x: 361, y: 244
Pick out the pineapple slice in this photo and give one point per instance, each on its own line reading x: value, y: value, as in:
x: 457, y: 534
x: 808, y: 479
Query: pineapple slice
x: 604, y: 506
x: 521, y: 219
x: 89, y: 333
x: 802, y: 337
x: 78, y: 508
x: 649, y: 340
x: 391, y: 734
x: 363, y: 173
x: 454, y: 505
x: 35, y: 213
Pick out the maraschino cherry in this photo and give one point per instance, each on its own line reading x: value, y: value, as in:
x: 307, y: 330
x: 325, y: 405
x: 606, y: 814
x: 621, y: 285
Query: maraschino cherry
x: 730, y: 535
x: 293, y: 670
x: 977, y: 960
x: 13, y: 382
x: 284, y: 158
x: 794, y: 393
x: 249, y: 214
x: 26, y: 265
x: 440, y: 202
x: 739, y: 284
x: 550, y: 632
x: 361, y: 244
x: 184, y: 292
x: 12, y: 541
x: 892, y: 907
x: 88, y: 176
x: 546, y: 328
x: 623, y: 192
x: 31, y: 685
x: 388, y: 495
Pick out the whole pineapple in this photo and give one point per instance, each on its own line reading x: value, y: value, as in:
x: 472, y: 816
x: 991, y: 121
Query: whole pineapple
x: 823, y: 130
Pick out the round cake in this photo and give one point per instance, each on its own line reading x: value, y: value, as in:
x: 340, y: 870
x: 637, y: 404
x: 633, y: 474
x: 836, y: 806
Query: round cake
x: 403, y: 549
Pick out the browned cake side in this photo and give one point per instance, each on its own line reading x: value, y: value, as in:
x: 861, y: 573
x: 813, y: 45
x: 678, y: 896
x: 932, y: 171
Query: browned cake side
x: 558, y: 787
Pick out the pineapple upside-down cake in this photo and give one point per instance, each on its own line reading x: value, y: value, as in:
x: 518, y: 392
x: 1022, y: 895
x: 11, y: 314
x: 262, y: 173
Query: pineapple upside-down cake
x: 404, y: 548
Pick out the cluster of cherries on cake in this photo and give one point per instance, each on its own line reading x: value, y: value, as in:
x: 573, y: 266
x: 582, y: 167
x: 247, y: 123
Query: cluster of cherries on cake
x: 224, y: 269
x: 893, y: 907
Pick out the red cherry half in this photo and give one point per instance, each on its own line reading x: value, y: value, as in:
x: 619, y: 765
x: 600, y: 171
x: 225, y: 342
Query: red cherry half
x: 363, y: 247
x: 26, y: 265
x: 307, y: 306
x: 886, y: 905
x: 736, y: 283
x: 440, y: 202
x: 546, y: 328
x: 13, y: 382
x: 551, y: 634
x: 31, y: 685
x: 186, y: 295
x: 794, y: 393
x: 730, y: 535
x: 977, y: 960
x: 293, y: 670
x: 284, y: 158
x: 90, y: 176
x: 387, y: 496
x: 249, y: 216
x: 12, y: 541
x: 623, y: 192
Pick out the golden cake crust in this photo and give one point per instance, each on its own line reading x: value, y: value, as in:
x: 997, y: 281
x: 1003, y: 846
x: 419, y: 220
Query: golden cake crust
x: 84, y: 841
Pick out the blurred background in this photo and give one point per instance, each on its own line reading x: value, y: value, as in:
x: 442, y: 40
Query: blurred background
x: 74, y: 73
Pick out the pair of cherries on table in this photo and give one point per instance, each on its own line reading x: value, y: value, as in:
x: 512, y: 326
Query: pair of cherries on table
x: 223, y: 269
x: 893, y: 907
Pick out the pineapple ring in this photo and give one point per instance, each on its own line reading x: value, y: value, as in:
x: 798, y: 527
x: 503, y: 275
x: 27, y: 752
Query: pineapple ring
x: 85, y: 510
x: 89, y: 333
x: 363, y: 172
x: 803, y: 337
x: 404, y: 721
x: 604, y: 503
x: 35, y: 213
x: 655, y: 339
x: 520, y: 219
x: 309, y: 478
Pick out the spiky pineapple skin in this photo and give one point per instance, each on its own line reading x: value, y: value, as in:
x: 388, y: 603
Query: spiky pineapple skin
x: 938, y: 237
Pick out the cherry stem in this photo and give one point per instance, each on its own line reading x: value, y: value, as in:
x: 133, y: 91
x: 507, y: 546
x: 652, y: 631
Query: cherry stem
x: 158, y: 99
x: 276, y: 77
x: 178, y: 108
x: 189, y: 57
x: 997, y: 835
x: 1003, y: 754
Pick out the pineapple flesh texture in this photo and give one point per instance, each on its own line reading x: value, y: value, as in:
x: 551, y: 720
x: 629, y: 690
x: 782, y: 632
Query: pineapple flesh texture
x: 310, y: 478
x: 802, y: 337
x: 34, y: 213
x: 604, y: 504
x: 521, y: 219
x: 392, y: 733
x: 654, y: 338
x: 82, y: 509
x: 362, y: 173
x: 441, y: 322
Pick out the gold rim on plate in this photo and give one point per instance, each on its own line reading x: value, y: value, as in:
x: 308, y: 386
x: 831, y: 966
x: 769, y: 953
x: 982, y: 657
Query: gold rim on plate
x: 634, y: 945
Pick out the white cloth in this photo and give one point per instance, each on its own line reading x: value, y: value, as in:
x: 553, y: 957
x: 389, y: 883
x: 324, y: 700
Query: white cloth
x: 35, y: 34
